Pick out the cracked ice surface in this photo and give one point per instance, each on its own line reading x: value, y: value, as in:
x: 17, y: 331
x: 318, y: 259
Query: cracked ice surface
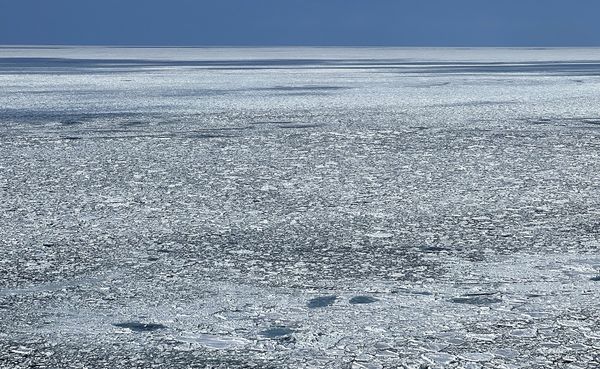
x: 338, y: 208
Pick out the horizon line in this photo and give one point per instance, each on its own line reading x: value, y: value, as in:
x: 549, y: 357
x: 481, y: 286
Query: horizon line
x: 16, y: 45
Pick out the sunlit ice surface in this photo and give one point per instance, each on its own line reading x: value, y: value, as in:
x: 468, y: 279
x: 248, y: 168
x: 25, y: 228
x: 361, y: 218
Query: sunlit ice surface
x: 299, y: 207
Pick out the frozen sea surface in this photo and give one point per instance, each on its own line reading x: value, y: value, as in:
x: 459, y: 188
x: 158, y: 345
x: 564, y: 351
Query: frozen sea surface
x: 299, y: 208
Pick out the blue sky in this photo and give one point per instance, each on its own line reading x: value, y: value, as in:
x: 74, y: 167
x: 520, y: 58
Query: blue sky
x: 302, y: 22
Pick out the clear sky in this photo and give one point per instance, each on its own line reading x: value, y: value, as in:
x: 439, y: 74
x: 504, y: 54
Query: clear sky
x: 302, y: 22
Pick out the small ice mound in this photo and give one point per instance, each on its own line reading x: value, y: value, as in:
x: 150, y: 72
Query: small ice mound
x: 140, y: 327
x: 366, y: 363
x: 276, y: 332
x: 524, y: 333
x: 422, y: 293
x: 321, y: 301
x: 476, y: 300
x: 363, y: 300
x: 439, y: 358
x: 267, y: 188
x: 506, y: 353
x: 214, y: 342
x: 379, y: 234
x: 477, y: 357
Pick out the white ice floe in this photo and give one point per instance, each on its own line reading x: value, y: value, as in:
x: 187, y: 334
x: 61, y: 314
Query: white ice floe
x: 214, y: 342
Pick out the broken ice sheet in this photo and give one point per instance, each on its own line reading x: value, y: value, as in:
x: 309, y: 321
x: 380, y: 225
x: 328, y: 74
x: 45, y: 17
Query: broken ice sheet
x: 447, y: 189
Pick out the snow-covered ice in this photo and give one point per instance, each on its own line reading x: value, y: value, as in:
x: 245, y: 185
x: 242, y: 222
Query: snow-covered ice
x: 299, y: 207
